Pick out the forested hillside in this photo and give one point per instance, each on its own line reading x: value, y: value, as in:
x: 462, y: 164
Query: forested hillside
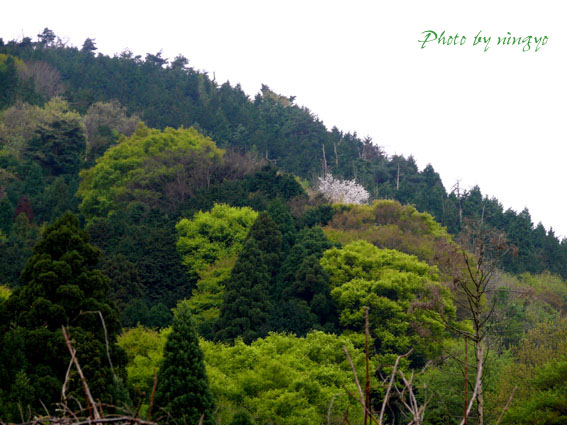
x: 170, y: 93
x: 184, y: 236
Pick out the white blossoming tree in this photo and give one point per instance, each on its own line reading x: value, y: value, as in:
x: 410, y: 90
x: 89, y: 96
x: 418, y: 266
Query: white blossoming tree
x: 343, y: 191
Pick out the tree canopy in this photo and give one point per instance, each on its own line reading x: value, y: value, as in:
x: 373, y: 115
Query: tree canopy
x: 405, y: 299
x: 247, y: 305
x: 160, y: 168
x: 213, y: 236
x: 61, y: 287
x: 183, y: 387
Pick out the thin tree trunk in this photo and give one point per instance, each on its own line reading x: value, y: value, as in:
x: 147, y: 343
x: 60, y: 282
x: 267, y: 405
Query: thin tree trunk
x: 466, y: 377
x: 477, y: 385
x: 480, y: 392
x: 324, y: 161
x: 367, y: 387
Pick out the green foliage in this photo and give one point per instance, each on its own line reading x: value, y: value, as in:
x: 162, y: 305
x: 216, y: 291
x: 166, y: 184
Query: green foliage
x: 5, y: 293
x: 541, y: 347
x: 405, y: 300
x: 42, y: 150
x: 8, y: 81
x: 59, y: 144
x: 125, y: 283
x: 521, y: 303
x: 303, y: 292
x: 316, y: 216
x: 388, y: 224
x: 61, y: 287
x: 310, y: 241
x: 146, y: 239
x: 16, y: 248
x: 270, y: 126
x: 547, y: 404
x: 18, y: 124
x: 206, y: 300
x: 160, y: 169
x: 546, y: 287
x: 183, y: 387
x: 104, y: 122
x: 241, y: 418
x: 213, y: 236
x: 444, y: 383
x: 255, y: 191
x: 160, y: 316
x: 144, y: 349
x: 247, y: 306
x: 139, y: 189
x: 138, y: 312
x: 279, y: 212
x: 279, y: 379
x: 284, y: 379
x: 307, y: 304
x: 6, y: 215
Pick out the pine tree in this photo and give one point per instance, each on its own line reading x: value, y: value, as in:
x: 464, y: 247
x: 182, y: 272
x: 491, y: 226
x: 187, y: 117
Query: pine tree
x: 307, y: 302
x: 183, y: 387
x: 247, y: 307
x: 303, y: 293
x: 279, y: 212
x: 269, y: 239
x: 309, y: 242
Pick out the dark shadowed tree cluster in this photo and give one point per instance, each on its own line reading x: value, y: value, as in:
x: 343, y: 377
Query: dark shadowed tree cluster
x: 61, y: 286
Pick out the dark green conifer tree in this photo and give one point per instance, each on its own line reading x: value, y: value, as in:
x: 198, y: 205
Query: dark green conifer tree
x: 269, y: 239
x: 8, y: 82
x: 279, y: 212
x: 183, y: 387
x: 303, y: 294
x: 6, y: 215
x: 59, y: 146
x: 309, y: 242
x: 61, y: 287
x: 247, y: 306
x: 307, y: 302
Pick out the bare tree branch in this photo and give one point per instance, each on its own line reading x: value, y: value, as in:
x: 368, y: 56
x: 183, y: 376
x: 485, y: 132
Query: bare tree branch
x: 355, y: 377
x: 507, y: 405
x: 88, y: 395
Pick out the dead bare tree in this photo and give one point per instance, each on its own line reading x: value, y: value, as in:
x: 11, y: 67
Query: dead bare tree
x: 474, y: 264
x: 47, y: 79
x: 397, y: 382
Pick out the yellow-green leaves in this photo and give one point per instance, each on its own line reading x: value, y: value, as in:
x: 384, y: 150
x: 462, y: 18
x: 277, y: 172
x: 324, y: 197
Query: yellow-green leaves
x: 5, y: 293
x: 388, y: 224
x: 158, y: 168
x: 214, y: 235
x: 405, y: 300
x: 209, y: 244
x: 284, y: 379
x: 361, y: 259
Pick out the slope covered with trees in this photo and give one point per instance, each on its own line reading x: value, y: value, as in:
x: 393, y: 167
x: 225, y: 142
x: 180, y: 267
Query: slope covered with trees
x: 274, y: 236
x: 167, y: 93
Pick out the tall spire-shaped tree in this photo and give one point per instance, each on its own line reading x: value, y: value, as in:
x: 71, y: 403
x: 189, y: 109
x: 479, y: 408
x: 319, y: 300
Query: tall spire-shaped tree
x: 247, y: 307
x: 183, y: 387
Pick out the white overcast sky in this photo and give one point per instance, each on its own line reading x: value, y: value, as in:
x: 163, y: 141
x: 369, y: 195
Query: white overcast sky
x: 495, y: 118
